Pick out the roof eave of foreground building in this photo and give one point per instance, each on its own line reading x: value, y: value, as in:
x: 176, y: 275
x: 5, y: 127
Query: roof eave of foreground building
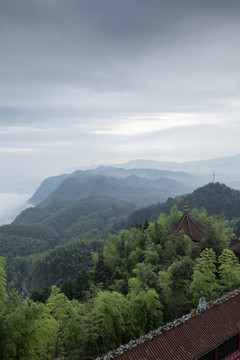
x: 163, y: 329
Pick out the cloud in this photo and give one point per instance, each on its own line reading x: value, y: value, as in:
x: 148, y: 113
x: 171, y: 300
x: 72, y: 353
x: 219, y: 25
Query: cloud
x: 150, y: 123
x: 138, y: 55
x: 17, y: 150
x: 105, y: 81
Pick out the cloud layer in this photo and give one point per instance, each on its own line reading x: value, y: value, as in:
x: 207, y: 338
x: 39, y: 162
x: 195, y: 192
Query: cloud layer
x: 11, y: 205
x: 91, y: 81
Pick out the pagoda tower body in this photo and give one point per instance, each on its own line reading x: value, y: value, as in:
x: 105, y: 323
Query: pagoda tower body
x: 189, y: 226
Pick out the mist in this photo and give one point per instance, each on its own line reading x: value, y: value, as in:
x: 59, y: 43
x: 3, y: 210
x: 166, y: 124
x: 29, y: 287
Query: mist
x: 11, y: 204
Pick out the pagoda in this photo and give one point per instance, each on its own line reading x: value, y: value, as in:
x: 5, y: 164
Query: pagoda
x: 189, y: 226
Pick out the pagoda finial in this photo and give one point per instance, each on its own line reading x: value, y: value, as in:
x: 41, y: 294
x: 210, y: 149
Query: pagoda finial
x: 186, y: 207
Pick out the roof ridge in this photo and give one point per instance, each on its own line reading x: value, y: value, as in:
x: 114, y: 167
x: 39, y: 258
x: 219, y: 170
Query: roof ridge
x: 162, y: 329
x: 177, y: 225
x: 197, y: 223
x: 189, y: 226
x: 179, y: 222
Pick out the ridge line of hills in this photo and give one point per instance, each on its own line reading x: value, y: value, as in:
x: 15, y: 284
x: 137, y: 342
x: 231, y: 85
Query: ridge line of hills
x: 159, y: 179
x: 140, y: 186
x: 74, y: 213
x: 62, y: 234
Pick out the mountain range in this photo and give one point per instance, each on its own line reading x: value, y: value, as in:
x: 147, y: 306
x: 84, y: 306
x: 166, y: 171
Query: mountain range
x: 226, y: 169
x: 139, y: 186
x: 142, y: 182
x: 79, y: 210
x: 81, y: 225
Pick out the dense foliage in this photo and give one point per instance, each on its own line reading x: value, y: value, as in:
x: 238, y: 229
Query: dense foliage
x: 141, y: 278
x: 86, y: 218
x: 62, y: 262
x: 144, y: 277
x: 46, y: 244
x: 18, y: 242
x: 96, y: 284
x: 37, y: 243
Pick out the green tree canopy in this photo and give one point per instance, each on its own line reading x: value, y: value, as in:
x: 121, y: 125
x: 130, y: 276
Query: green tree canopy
x: 229, y: 271
x: 204, y: 276
x: 109, y: 320
x: 144, y: 308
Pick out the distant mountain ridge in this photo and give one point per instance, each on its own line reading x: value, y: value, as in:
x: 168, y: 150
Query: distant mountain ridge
x: 188, y: 176
x: 140, y: 186
x: 226, y: 168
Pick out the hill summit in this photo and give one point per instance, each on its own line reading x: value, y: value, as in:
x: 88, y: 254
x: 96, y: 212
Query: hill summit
x: 217, y: 198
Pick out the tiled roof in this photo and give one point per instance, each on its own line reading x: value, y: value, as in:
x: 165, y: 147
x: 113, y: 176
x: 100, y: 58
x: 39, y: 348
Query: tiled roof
x: 235, y: 245
x: 190, y: 227
x: 189, y: 337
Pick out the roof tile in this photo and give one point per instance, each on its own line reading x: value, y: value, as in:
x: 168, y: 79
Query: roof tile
x: 194, y: 337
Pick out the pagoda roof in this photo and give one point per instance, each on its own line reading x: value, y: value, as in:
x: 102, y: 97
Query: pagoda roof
x: 235, y: 245
x: 189, y: 226
x: 189, y: 337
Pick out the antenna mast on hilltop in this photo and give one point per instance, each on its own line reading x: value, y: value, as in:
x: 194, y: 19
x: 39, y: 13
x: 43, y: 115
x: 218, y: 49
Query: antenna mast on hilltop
x: 213, y: 176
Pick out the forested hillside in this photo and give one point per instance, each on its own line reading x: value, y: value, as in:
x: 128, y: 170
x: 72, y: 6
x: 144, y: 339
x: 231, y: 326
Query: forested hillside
x: 37, y: 245
x: 145, y: 276
x: 17, y: 242
x: 56, y: 241
x: 217, y: 198
x: 96, y: 283
x: 89, y: 218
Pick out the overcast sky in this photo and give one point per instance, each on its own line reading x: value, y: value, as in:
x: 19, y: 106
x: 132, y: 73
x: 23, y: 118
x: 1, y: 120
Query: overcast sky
x: 105, y: 81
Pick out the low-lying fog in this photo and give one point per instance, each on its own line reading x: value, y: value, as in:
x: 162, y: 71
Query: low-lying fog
x: 11, y: 204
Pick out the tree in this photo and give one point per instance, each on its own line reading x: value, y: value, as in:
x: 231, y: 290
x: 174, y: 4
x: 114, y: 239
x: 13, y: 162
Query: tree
x: 70, y: 336
x: 108, y: 319
x: 41, y: 296
x: 229, y: 271
x: 27, y: 331
x: 146, y: 275
x: 144, y: 308
x: 180, y: 273
x: 3, y: 299
x: 204, y: 276
x: 3, y: 293
x: 174, y: 215
x: 165, y: 292
x: 217, y: 234
x: 81, y: 284
x: 152, y: 253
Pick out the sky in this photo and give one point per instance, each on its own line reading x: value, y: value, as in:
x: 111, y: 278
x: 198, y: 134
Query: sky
x: 86, y: 82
